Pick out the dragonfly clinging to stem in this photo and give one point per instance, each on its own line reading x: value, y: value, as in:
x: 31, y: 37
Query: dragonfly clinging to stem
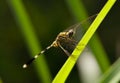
x: 65, y: 40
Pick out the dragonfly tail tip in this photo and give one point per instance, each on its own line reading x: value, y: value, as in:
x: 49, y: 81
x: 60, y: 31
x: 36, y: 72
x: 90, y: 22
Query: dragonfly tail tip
x: 25, y: 66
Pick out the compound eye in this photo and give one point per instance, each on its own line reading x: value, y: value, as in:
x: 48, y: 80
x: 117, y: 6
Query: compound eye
x: 70, y: 33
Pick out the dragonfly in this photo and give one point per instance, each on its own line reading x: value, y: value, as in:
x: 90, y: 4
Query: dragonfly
x: 65, y: 40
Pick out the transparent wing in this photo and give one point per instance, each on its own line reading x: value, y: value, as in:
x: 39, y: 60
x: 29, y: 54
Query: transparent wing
x: 81, y: 27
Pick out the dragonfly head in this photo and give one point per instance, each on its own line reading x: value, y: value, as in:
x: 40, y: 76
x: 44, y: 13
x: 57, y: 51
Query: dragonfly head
x: 70, y: 33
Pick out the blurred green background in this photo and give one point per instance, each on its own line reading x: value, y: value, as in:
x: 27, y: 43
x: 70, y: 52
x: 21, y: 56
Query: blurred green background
x: 48, y: 17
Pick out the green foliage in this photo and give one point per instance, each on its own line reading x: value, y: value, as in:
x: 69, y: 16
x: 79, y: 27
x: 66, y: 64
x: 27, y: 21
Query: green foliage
x: 113, y: 74
x: 28, y: 32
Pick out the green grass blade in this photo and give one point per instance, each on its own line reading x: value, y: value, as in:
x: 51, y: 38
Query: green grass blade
x: 78, y: 10
x: 1, y: 80
x: 113, y: 74
x: 28, y: 32
x: 67, y: 67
